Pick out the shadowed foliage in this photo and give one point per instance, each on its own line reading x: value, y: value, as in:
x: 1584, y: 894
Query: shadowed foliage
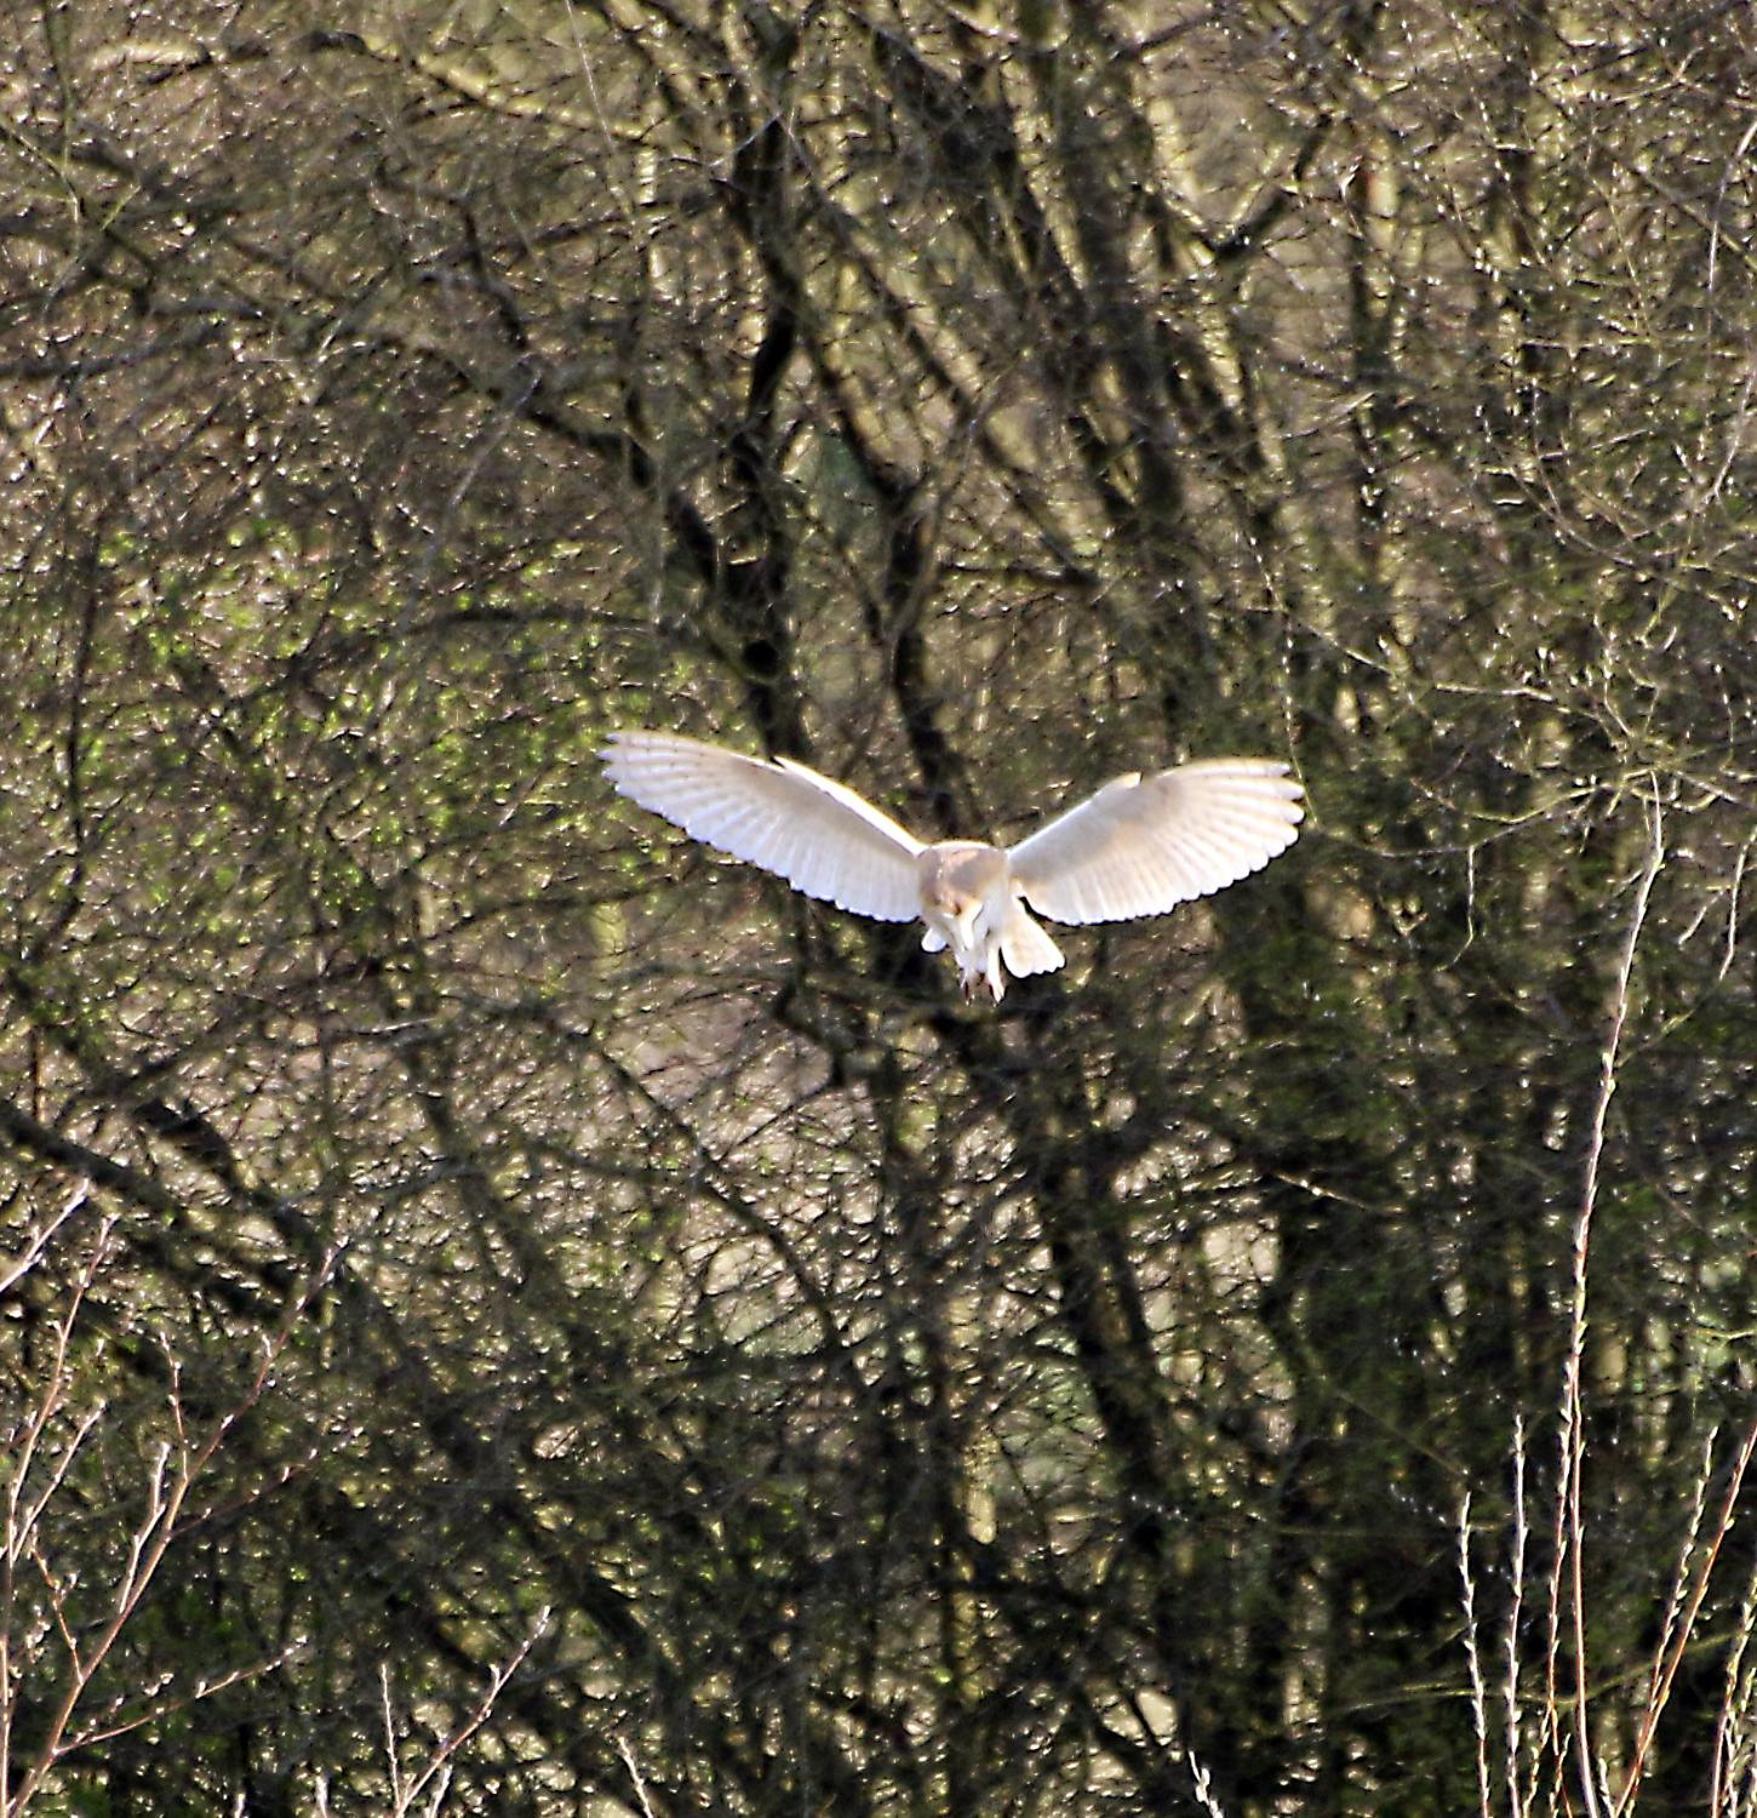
x: 500, y: 1240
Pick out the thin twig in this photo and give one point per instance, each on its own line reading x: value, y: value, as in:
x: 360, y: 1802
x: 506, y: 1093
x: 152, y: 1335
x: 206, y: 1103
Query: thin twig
x: 1204, y: 1786
x: 1570, y: 1497
x: 37, y: 1241
x: 1478, y: 1697
x: 1515, y: 1787
x: 177, y: 1465
x: 634, y: 1774
x: 1680, y: 1623
x: 436, y: 1772
x: 1733, y: 1749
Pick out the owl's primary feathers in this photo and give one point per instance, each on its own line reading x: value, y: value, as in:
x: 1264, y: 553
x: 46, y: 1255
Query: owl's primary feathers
x: 1140, y: 846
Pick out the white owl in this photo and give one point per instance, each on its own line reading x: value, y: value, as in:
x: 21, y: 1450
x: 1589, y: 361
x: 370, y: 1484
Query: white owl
x: 1140, y: 846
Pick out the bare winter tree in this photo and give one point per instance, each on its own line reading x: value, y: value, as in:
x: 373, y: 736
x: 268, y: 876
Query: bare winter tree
x: 629, y: 1339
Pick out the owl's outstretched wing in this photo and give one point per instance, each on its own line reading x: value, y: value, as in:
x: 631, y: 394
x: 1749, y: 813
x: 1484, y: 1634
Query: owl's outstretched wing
x: 1142, y: 845
x: 819, y: 836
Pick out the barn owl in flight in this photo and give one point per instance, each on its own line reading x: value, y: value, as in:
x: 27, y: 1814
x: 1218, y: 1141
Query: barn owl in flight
x: 1140, y: 846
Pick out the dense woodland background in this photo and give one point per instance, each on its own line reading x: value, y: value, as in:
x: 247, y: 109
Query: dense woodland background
x: 503, y: 1314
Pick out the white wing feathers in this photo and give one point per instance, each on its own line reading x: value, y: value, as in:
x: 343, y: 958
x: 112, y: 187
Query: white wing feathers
x: 1142, y: 845
x: 822, y: 838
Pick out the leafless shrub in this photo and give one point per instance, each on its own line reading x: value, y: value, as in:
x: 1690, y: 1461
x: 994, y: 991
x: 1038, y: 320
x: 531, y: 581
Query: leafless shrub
x: 1557, y: 1751
x: 59, y: 1633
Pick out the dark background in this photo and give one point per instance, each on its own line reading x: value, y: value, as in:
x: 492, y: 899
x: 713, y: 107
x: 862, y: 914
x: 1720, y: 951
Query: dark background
x: 493, y: 1206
